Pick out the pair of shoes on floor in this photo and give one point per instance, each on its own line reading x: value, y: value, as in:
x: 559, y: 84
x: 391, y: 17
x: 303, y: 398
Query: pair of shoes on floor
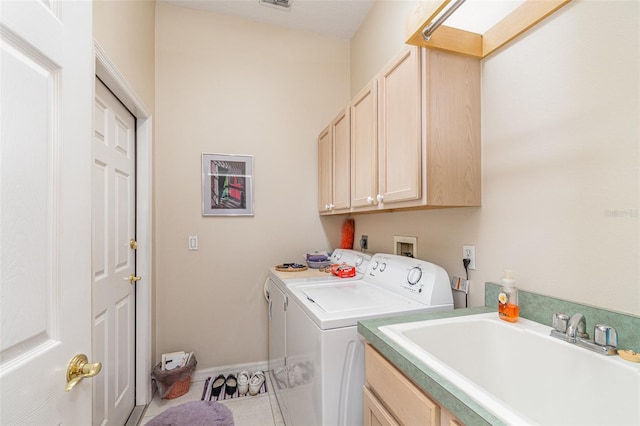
x: 230, y: 384
x: 250, y: 382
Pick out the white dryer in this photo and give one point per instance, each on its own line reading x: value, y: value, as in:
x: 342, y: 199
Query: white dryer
x: 325, y: 354
x: 277, y: 294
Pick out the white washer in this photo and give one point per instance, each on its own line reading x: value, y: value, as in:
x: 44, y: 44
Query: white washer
x: 277, y: 294
x: 325, y: 354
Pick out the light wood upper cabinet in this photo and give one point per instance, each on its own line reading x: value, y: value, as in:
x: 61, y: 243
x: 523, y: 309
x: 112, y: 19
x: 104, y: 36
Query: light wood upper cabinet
x: 387, y: 145
x: 443, y: 161
x: 452, y: 126
x: 364, y: 146
x: 400, y: 137
x: 334, y: 157
x: 341, y: 161
x: 325, y: 170
x: 414, y: 136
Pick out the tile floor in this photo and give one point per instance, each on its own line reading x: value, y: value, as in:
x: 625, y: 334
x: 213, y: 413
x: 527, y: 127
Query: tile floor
x: 259, y: 410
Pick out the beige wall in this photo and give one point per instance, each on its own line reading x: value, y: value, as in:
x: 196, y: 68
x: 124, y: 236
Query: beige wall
x: 225, y: 85
x: 560, y: 141
x: 125, y: 30
x: 378, y: 39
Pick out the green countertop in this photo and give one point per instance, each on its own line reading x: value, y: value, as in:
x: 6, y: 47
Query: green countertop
x: 533, y: 306
x: 448, y: 395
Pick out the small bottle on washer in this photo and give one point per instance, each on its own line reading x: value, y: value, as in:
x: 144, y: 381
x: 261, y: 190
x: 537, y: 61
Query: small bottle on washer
x: 508, y: 309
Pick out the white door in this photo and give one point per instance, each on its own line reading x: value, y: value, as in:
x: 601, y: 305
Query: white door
x: 46, y: 86
x: 113, y: 258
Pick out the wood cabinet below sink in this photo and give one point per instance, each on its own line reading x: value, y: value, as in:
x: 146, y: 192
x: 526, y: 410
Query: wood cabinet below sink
x: 390, y: 398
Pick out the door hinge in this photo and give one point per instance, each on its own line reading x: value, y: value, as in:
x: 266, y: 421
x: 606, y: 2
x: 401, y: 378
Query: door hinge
x: 286, y: 303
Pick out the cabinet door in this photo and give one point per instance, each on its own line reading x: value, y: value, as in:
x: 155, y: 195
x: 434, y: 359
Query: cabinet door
x: 374, y: 413
x: 400, y: 137
x: 364, y: 146
x: 404, y: 400
x: 341, y: 162
x: 325, y: 184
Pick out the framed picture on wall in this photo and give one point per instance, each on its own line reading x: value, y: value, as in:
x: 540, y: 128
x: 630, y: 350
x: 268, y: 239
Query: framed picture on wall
x: 227, y: 185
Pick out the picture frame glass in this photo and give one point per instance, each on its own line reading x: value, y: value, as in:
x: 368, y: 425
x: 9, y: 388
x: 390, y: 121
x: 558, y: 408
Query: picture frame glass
x: 227, y: 185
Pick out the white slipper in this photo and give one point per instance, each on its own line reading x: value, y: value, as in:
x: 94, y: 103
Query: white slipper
x: 255, y: 382
x: 243, y: 382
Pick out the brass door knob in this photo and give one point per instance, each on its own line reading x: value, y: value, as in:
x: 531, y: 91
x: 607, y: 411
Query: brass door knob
x: 132, y: 278
x: 79, y: 368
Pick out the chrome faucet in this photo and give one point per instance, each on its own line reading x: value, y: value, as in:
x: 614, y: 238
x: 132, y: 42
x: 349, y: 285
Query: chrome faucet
x: 577, y: 327
x: 573, y: 330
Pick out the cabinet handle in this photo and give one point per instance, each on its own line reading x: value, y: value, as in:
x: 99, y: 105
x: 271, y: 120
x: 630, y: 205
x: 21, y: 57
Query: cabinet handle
x: 331, y: 206
x: 369, y: 199
x: 380, y: 198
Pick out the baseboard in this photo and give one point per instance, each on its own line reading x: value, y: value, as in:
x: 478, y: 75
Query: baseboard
x: 202, y: 374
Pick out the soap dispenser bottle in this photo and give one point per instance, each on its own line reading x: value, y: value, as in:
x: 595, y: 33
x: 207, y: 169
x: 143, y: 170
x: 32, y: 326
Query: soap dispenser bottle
x: 508, y: 298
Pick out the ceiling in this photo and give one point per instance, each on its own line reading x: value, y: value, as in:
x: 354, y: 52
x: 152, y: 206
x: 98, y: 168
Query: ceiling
x: 334, y: 18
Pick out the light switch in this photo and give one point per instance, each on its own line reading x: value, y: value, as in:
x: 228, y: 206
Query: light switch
x: 193, y: 242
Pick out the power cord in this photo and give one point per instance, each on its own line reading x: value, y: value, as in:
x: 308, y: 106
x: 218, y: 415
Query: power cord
x: 465, y: 263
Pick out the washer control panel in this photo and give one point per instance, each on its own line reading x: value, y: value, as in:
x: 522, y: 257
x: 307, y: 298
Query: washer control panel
x: 351, y: 257
x: 418, y: 279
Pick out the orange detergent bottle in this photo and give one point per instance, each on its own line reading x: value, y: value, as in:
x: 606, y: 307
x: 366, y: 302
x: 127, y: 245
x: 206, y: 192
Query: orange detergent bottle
x: 508, y: 309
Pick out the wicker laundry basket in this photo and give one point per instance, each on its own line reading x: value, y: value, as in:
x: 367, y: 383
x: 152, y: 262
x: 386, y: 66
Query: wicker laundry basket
x: 179, y: 388
x: 173, y: 383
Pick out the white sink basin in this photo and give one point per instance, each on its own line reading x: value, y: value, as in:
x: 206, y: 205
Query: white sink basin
x: 522, y: 375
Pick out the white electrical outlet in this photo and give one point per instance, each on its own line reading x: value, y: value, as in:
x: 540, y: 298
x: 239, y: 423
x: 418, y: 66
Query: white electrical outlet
x: 469, y: 252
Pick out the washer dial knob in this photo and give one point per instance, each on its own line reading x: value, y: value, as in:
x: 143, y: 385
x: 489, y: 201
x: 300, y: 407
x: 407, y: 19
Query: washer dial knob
x: 414, y: 275
x: 383, y: 266
x: 375, y: 264
x: 359, y: 260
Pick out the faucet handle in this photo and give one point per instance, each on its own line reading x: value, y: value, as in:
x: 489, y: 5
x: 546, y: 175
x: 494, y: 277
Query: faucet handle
x: 605, y: 335
x: 560, y: 322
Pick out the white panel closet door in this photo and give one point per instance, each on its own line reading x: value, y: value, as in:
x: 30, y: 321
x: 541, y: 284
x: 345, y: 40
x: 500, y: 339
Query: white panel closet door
x: 46, y: 81
x: 113, y: 258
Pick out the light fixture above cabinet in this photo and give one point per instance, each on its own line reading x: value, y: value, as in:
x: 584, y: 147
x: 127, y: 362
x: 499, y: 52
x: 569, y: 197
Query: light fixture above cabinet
x: 476, y: 28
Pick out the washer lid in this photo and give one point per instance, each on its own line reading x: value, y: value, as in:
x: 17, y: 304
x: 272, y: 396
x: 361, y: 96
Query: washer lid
x: 346, y: 297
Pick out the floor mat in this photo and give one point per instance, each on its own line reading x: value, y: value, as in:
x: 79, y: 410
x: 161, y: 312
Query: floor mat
x: 194, y: 413
x: 208, y: 396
